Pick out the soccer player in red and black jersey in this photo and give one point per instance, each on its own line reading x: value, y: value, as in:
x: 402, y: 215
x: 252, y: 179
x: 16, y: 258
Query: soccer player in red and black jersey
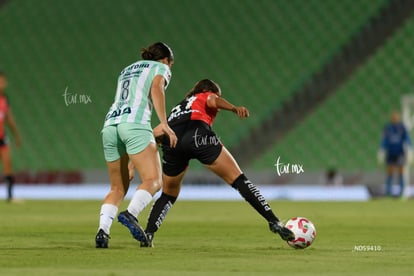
x: 191, y: 120
x: 6, y: 116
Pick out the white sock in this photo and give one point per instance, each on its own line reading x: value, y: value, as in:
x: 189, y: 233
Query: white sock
x: 139, y: 201
x: 108, y: 213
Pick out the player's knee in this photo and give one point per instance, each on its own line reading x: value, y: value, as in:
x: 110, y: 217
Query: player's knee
x: 152, y: 185
x: 157, y: 183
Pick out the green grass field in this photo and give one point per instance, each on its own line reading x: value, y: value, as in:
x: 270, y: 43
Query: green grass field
x: 208, y: 238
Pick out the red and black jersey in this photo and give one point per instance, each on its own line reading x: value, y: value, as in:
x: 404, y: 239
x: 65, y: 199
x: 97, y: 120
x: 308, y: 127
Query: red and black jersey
x: 4, y: 108
x: 193, y: 108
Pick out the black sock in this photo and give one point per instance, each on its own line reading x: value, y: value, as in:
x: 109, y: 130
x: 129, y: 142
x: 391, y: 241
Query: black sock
x: 159, y: 212
x: 252, y: 195
x: 10, y: 182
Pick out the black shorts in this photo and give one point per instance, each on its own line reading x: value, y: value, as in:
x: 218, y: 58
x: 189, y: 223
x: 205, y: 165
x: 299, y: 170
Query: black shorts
x: 398, y: 160
x: 4, y: 142
x: 196, y: 140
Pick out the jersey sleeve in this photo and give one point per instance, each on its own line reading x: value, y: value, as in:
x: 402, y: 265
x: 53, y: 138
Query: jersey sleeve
x: 165, y: 72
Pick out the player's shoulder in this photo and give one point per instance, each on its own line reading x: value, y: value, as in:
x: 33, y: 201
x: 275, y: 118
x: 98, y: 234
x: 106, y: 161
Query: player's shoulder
x: 205, y: 95
x: 162, y: 69
x: 160, y: 65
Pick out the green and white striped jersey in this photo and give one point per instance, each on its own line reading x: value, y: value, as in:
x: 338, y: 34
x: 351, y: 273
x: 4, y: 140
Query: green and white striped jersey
x: 132, y: 100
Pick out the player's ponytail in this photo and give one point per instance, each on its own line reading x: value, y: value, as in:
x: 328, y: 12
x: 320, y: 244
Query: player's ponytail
x: 205, y: 85
x: 157, y: 51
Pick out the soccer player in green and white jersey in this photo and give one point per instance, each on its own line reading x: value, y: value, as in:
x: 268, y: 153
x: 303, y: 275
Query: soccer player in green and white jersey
x: 127, y: 135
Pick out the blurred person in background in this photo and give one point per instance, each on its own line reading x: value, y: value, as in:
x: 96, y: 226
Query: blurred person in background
x: 127, y: 135
x: 332, y: 177
x: 396, y: 151
x: 6, y: 117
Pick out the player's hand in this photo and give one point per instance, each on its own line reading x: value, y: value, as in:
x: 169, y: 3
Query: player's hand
x: 171, y: 134
x: 158, y: 131
x: 158, y: 134
x: 410, y: 156
x: 241, y: 111
x: 381, y: 157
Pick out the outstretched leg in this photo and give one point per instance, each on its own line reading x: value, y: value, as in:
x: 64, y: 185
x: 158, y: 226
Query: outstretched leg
x: 227, y: 168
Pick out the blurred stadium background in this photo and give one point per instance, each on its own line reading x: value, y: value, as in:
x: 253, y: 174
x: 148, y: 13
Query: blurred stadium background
x: 320, y: 78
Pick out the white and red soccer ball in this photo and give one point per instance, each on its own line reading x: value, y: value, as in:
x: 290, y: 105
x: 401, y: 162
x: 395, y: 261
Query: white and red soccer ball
x: 304, y: 231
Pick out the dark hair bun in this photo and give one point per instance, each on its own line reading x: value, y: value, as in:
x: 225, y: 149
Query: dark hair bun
x: 157, y: 51
x: 146, y: 54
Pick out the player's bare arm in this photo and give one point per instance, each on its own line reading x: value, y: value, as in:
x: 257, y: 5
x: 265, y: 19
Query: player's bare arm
x: 158, y: 99
x: 13, y: 127
x: 217, y: 102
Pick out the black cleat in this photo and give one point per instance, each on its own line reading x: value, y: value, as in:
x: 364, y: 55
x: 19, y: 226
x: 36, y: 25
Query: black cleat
x: 148, y: 242
x: 131, y: 222
x: 102, y: 239
x: 285, y: 233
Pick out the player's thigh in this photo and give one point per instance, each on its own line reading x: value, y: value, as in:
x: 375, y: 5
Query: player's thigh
x: 174, y: 161
x: 395, y: 168
x: 141, y: 148
x: 400, y: 169
x: 401, y: 162
x: 210, y: 152
x: 5, y: 155
x: 390, y: 169
x: 118, y: 174
x: 147, y: 163
x: 225, y: 166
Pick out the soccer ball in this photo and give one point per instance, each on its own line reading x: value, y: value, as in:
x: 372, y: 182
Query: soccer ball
x: 304, y: 231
